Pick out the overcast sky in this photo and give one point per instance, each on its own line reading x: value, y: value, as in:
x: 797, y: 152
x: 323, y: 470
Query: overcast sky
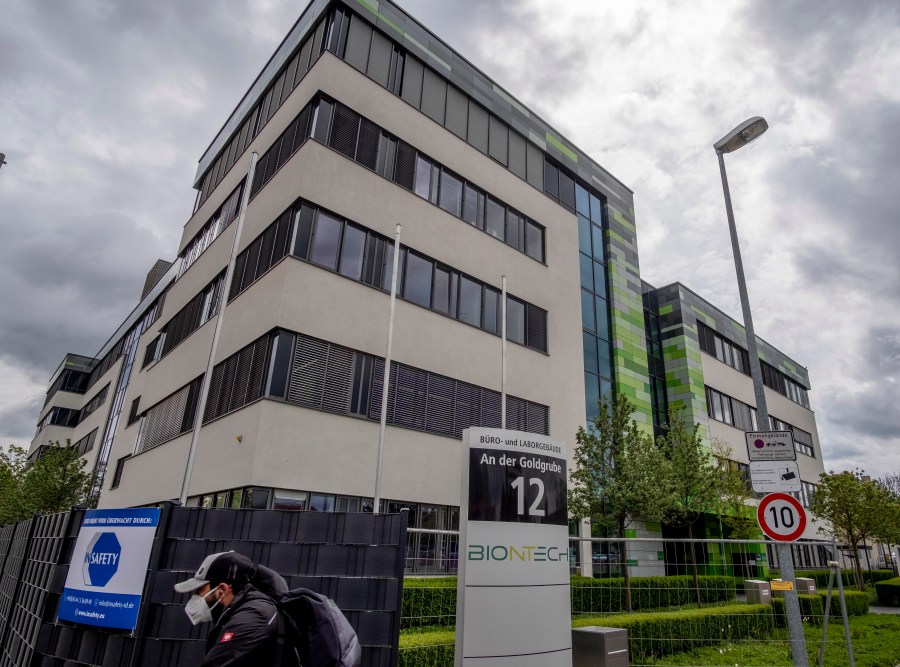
x: 106, y: 107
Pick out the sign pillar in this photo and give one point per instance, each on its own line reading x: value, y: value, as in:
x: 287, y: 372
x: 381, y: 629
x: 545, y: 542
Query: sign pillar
x: 513, y: 601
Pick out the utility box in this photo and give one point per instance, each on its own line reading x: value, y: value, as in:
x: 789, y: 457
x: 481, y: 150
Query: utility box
x: 805, y: 585
x: 595, y: 646
x: 758, y: 592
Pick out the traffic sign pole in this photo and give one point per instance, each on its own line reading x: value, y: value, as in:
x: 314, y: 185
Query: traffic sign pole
x: 783, y: 519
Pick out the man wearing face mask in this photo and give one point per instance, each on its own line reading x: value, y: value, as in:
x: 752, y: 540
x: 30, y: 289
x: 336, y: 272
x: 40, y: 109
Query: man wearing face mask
x: 246, y: 620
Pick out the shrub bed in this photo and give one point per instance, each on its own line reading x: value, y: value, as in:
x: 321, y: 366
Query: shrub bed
x: 432, y: 601
x: 857, y: 603
x: 427, y: 647
x: 597, y: 596
x: 655, y: 634
x: 888, y: 592
x: 428, y: 601
x: 812, y: 609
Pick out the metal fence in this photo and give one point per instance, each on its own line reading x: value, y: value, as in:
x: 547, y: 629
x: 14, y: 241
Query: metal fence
x: 683, y: 596
x: 356, y: 559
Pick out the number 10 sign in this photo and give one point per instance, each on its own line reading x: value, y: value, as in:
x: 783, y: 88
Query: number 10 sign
x: 513, y: 551
x: 781, y: 517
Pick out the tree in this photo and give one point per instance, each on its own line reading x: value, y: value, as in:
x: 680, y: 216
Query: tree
x: 53, y: 482
x: 735, y: 510
x: 619, y: 475
x: 888, y: 530
x: 695, y: 479
x: 854, y: 508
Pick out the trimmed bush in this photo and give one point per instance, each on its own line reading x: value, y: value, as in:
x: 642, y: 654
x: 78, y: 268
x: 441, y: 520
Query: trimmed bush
x: 428, y: 601
x: 597, y: 596
x: 888, y: 592
x: 664, y: 633
x: 432, y: 601
x: 431, y: 647
x: 857, y: 603
x: 812, y: 609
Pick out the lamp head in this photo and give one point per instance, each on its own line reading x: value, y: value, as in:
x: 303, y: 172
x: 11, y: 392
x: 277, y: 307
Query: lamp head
x: 742, y: 135
x: 2, y: 159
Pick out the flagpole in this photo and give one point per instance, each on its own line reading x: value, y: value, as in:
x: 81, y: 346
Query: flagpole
x: 386, y: 382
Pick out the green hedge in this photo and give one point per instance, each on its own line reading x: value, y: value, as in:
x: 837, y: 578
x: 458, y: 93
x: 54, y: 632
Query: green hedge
x: 888, y: 592
x: 428, y: 647
x: 597, y: 596
x: 655, y: 634
x: 428, y: 601
x: 812, y: 607
x: 432, y: 601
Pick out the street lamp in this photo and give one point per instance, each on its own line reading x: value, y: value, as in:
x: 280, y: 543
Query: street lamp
x: 2, y: 159
x: 740, y: 136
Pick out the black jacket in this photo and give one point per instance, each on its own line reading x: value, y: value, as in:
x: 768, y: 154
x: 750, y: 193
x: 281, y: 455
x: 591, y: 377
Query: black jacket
x: 246, y: 634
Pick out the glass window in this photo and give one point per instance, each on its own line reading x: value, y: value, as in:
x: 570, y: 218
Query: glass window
x: 417, y: 281
x: 597, y: 235
x: 491, y: 306
x: 440, y: 298
x: 515, y: 230
x: 600, y: 279
x: 515, y: 321
x: 352, y: 252
x: 451, y: 193
x: 590, y: 352
x: 596, y: 210
x: 469, y: 301
x: 347, y: 504
x: 566, y: 189
x: 325, y: 241
x: 726, y: 410
x: 602, y: 318
x: 591, y: 395
x: 582, y: 200
x: 551, y: 179
x: 588, y: 319
x: 320, y: 502
x: 604, y: 355
x: 587, y: 271
x: 584, y: 235
x: 423, y: 177
x: 470, y: 205
x: 494, y: 218
x: 534, y: 241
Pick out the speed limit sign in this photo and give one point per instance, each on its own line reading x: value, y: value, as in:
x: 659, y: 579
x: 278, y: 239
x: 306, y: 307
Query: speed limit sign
x: 781, y: 517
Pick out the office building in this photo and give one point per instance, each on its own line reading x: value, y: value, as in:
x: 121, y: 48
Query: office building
x: 269, y: 328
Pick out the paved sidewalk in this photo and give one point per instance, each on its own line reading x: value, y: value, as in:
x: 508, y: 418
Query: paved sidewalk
x: 884, y: 610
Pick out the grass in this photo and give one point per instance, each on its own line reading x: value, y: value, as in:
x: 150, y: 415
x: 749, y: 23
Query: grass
x: 876, y: 643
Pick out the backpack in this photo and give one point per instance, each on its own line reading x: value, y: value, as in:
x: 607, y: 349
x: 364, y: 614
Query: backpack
x: 313, y: 632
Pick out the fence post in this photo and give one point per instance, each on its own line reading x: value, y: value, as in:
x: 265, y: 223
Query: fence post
x: 15, y: 592
x: 156, y: 555
x: 401, y: 568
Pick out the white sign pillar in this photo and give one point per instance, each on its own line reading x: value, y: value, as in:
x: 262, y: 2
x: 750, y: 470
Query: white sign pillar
x: 513, y: 601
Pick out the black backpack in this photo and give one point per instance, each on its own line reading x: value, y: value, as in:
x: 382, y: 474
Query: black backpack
x: 313, y: 632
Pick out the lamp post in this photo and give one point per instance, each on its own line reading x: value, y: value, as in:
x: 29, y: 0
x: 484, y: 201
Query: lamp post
x: 740, y: 136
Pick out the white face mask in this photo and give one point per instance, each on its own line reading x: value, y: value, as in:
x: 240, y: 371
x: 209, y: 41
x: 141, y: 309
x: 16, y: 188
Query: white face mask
x: 197, y: 610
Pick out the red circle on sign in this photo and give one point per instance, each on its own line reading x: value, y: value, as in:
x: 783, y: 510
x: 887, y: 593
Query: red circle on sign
x: 774, y: 526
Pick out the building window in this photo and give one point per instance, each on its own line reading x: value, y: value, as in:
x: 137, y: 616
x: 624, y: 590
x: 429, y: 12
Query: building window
x: 117, y: 475
x: 169, y: 418
x: 716, y: 345
x: 86, y: 444
x: 328, y: 377
x: 65, y: 417
x: 190, y: 318
x: 211, y: 230
x: 92, y: 405
x: 337, y: 244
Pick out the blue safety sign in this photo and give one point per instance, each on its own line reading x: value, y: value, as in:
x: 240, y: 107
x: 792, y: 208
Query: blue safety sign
x: 109, y: 567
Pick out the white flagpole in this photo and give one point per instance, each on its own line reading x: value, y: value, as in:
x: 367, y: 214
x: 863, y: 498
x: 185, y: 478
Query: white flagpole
x: 386, y: 383
x: 503, y: 357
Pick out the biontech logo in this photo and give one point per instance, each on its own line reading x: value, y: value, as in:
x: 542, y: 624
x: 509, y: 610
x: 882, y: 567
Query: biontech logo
x: 525, y: 554
x: 101, y: 560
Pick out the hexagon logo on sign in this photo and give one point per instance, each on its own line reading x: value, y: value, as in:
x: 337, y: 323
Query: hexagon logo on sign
x: 101, y: 560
